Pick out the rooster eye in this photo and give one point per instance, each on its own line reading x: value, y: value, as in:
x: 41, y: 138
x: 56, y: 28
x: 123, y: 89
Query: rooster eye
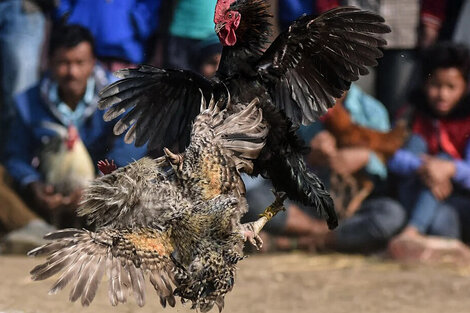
x: 230, y: 15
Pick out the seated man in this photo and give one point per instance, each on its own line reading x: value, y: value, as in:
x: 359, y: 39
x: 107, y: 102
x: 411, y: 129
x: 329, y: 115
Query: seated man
x: 349, y: 146
x: 59, y: 134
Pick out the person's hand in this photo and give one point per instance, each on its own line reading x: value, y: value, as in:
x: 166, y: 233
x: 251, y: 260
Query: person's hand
x: 428, y: 36
x: 442, y: 190
x: 437, y: 175
x: 45, y: 196
x: 323, y: 148
x: 435, y: 170
x: 349, y: 160
x: 72, y: 201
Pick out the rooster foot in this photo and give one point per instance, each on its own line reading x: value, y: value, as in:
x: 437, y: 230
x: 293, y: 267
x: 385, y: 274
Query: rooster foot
x: 106, y: 167
x: 249, y: 234
x: 251, y: 230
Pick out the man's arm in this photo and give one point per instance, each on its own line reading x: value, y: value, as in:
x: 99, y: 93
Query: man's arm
x: 123, y: 153
x: 432, y: 17
x: 462, y: 169
x: 19, y: 153
x: 407, y: 160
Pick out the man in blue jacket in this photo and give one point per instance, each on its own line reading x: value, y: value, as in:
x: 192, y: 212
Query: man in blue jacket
x: 67, y: 96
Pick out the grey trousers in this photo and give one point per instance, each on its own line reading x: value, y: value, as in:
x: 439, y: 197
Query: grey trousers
x: 377, y: 220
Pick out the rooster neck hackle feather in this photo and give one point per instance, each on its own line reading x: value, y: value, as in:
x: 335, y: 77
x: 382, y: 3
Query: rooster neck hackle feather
x: 253, y: 35
x: 255, y: 27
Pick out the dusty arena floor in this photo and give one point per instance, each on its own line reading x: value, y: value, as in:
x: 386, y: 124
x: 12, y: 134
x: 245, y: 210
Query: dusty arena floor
x: 283, y: 283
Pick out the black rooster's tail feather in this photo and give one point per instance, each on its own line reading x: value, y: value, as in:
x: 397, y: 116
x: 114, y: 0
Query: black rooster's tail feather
x: 289, y: 173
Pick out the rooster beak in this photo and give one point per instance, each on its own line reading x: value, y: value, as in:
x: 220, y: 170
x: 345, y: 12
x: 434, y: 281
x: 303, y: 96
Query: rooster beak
x: 219, y: 26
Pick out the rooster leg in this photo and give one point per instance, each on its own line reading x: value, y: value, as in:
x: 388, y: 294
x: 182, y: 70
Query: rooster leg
x: 251, y: 230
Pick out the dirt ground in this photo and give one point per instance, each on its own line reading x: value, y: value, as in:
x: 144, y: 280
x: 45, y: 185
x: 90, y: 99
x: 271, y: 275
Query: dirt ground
x: 280, y: 283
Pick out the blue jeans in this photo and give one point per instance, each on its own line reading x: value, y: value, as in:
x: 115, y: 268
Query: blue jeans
x: 447, y: 218
x: 21, y: 39
x: 369, y: 229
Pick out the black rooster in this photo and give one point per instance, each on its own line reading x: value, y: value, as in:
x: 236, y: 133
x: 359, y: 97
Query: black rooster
x: 296, y: 80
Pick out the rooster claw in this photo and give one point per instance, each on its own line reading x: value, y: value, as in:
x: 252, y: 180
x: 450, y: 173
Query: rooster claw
x: 249, y: 234
x: 281, y: 196
x: 253, y: 238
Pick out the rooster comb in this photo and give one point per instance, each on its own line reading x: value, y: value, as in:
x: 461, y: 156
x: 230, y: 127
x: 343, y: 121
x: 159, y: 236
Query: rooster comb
x: 220, y: 8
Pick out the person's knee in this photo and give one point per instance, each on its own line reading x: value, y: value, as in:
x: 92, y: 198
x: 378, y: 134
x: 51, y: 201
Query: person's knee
x: 389, y: 216
x: 372, y: 227
x: 445, y: 222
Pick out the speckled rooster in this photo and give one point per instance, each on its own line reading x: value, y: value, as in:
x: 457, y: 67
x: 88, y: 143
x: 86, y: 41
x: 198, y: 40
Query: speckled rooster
x: 175, y: 220
x: 296, y: 80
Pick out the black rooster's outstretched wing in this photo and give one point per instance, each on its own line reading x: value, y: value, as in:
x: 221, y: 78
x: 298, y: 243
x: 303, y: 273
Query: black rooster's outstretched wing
x: 160, y: 104
x: 316, y: 59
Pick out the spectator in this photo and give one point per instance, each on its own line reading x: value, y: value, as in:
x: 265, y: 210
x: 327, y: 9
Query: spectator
x: 435, y: 163
x: 395, y: 69
x: 290, y: 10
x: 67, y: 96
x: 22, y: 29
x: 433, y: 15
x: 121, y: 28
x: 461, y: 33
x: 414, y: 24
x: 370, y: 224
x: 446, y: 21
x: 192, y: 23
x: 207, y: 58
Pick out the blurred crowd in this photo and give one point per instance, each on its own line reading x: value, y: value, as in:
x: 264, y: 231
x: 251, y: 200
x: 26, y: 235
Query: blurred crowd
x: 394, y: 151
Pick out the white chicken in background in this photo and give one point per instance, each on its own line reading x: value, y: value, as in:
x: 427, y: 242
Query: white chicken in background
x: 64, y: 160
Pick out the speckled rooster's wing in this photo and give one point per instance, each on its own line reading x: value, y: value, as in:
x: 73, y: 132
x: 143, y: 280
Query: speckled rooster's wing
x: 126, y: 257
x: 130, y: 207
x: 141, y: 194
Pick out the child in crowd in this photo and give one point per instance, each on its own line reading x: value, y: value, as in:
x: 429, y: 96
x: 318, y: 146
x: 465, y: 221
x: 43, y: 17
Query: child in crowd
x: 434, y: 165
x: 207, y: 55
